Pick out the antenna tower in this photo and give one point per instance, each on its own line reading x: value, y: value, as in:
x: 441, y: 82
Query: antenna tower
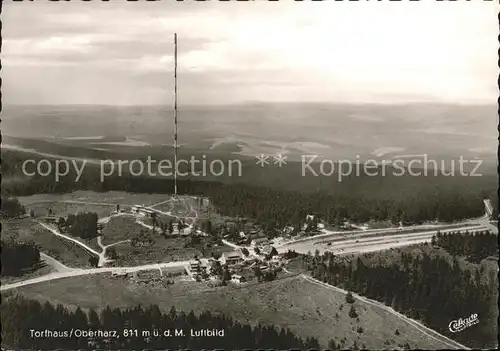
x: 175, y: 115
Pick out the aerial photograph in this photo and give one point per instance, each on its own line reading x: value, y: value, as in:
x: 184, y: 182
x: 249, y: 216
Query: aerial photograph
x: 249, y: 175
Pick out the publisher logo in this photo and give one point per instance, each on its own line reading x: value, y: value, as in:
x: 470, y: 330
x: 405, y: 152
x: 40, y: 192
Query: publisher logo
x: 457, y: 325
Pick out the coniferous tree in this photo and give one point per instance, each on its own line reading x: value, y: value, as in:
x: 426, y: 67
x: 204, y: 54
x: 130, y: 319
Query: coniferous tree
x: 429, y: 288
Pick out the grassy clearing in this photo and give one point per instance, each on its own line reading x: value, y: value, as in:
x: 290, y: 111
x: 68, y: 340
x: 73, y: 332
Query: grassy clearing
x: 110, y: 197
x: 120, y: 228
x: 62, y: 250
x: 161, y: 250
x: 292, y: 302
x: 63, y: 209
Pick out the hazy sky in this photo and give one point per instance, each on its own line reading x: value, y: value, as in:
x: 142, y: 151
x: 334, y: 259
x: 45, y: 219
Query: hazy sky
x: 121, y: 53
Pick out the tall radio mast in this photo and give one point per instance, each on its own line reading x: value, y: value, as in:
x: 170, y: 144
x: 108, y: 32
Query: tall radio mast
x: 175, y: 114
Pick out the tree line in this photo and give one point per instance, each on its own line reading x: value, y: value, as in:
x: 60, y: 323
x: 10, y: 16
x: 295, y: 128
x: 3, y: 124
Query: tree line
x: 18, y: 256
x: 475, y: 246
x: 430, y: 289
x: 83, y: 224
x: 20, y: 315
x: 11, y: 207
x: 275, y: 208
x: 276, y: 204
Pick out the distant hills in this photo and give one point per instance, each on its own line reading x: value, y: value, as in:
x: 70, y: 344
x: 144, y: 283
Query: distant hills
x: 332, y: 130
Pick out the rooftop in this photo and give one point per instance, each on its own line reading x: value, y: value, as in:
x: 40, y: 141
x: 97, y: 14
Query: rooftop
x: 233, y: 254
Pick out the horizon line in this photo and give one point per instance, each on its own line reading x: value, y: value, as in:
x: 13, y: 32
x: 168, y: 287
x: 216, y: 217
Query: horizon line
x: 246, y: 103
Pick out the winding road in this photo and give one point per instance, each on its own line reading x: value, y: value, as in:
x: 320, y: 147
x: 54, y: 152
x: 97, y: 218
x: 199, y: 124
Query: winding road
x: 65, y: 272
x: 101, y: 255
x: 75, y: 272
x: 344, y: 242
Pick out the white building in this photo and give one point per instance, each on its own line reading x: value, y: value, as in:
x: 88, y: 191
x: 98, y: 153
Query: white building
x: 231, y: 258
x: 259, y: 242
x: 194, y: 266
x: 238, y: 279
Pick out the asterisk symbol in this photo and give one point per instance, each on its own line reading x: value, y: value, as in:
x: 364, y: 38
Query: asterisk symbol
x: 262, y: 160
x: 280, y: 160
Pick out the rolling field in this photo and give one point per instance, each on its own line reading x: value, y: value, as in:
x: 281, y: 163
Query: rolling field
x: 292, y: 302
x: 120, y: 228
x: 62, y: 250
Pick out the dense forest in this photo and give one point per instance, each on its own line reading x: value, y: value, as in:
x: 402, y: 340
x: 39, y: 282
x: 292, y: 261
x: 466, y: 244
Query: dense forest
x: 11, y: 207
x: 431, y: 289
x: 275, y: 208
x: 83, y: 225
x: 18, y: 256
x: 20, y: 315
x: 475, y: 246
x: 409, y: 199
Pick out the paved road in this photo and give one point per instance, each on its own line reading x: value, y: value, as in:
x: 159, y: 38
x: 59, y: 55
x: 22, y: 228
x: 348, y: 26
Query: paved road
x: 81, y: 272
x: 489, y: 207
x: 230, y: 244
x: 189, y: 210
x: 101, y: 255
x: 388, y: 238
x: 483, y: 220
x: 104, y: 247
x: 57, y: 233
x: 367, y: 242
x: 364, y: 240
x: 52, y: 262
x: 493, y: 226
x: 327, y: 234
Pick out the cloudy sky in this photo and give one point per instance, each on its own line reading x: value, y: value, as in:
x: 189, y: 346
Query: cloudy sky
x: 121, y: 53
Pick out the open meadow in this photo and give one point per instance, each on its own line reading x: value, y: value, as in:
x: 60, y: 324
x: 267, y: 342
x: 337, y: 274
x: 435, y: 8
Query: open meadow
x: 305, y: 308
x: 110, y: 198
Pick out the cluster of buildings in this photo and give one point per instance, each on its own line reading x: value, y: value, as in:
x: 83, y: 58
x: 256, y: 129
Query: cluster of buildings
x: 259, y: 254
x: 203, y: 269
